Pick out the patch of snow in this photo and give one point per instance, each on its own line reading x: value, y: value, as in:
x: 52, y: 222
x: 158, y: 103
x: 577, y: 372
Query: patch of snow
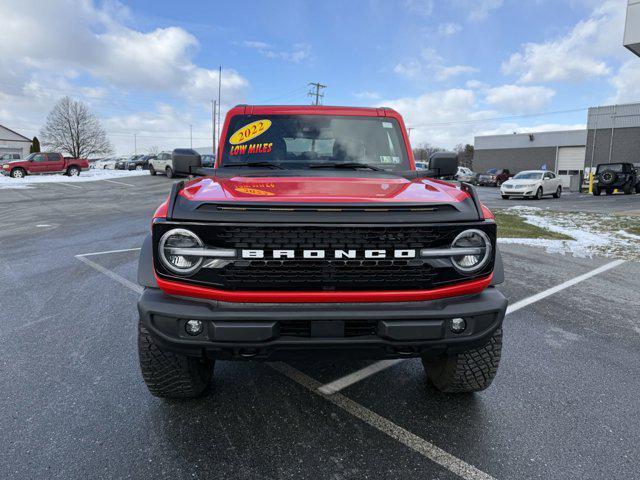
x: 90, y: 175
x: 593, y: 234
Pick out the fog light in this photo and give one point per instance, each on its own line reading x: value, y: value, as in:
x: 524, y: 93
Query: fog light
x: 194, y: 327
x: 458, y: 325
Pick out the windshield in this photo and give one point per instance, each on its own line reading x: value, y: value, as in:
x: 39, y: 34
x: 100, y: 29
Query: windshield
x: 528, y: 176
x: 305, y: 141
x: 613, y: 167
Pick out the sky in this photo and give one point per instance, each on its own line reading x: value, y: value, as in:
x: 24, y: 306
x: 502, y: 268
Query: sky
x: 453, y: 68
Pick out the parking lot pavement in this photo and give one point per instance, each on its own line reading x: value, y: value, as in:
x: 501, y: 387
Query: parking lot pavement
x: 74, y: 405
x: 568, y: 202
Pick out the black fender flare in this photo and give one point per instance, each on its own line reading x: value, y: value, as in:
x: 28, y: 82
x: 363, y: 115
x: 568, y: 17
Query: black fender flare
x: 145, y: 264
x: 498, y: 269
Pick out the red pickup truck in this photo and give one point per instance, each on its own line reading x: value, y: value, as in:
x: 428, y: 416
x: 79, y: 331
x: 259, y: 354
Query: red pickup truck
x: 45, y: 162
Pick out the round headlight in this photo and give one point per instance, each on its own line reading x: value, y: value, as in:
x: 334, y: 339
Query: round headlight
x: 474, y: 239
x: 173, y: 250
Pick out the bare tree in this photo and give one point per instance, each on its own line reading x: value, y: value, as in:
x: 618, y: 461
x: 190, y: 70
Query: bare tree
x: 465, y: 155
x: 153, y: 150
x: 73, y: 129
x: 424, y: 151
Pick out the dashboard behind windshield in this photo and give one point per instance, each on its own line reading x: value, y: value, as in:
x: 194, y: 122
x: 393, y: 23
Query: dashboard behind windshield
x: 306, y: 141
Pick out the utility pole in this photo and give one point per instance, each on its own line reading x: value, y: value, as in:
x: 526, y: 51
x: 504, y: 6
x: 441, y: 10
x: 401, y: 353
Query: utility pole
x: 191, y: 134
x: 219, y: 95
x: 317, y: 94
x: 135, y: 143
x: 213, y: 124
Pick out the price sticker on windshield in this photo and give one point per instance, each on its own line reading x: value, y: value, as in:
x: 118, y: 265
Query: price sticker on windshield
x: 249, y: 132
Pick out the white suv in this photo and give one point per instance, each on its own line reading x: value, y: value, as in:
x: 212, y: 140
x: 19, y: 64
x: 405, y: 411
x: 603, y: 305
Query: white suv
x: 162, y: 164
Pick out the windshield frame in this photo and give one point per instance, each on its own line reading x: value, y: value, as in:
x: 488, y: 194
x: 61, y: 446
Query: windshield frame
x: 399, y: 144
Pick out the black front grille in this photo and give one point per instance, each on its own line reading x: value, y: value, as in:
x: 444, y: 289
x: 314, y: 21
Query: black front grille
x: 327, y: 237
x: 327, y: 274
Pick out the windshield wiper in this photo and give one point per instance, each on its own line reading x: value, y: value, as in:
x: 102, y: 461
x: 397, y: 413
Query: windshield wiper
x: 353, y: 165
x: 254, y: 164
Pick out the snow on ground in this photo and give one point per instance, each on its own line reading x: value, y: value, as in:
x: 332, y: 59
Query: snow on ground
x: 91, y: 175
x: 594, y: 234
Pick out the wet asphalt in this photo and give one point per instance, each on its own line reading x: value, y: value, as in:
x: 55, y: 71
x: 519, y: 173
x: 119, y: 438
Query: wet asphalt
x: 564, y: 403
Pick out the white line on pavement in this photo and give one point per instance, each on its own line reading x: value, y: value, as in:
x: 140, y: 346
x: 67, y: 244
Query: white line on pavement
x: 113, y: 275
x: 108, y: 251
x: 66, y: 184
x: 119, y: 183
x: 569, y: 283
x: 376, y: 367
x: 356, y: 376
x: 414, y: 442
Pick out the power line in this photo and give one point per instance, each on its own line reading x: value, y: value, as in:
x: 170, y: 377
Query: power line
x: 491, y: 119
x: 318, y: 86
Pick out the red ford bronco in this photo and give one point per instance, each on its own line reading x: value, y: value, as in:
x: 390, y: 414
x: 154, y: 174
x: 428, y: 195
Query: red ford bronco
x: 315, y: 234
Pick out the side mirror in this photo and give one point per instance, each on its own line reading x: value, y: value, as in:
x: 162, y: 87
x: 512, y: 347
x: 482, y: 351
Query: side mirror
x: 185, y: 161
x: 443, y: 165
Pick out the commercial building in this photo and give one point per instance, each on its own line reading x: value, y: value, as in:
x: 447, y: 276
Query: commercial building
x: 13, y: 142
x: 632, y: 27
x: 561, y: 152
x: 612, y: 135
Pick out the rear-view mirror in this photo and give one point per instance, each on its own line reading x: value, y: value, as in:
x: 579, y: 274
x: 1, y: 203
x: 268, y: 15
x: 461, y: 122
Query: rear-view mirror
x: 185, y: 161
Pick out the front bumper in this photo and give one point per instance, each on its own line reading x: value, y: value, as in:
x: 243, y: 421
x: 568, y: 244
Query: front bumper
x: 518, y: 192
x: 273, y: 331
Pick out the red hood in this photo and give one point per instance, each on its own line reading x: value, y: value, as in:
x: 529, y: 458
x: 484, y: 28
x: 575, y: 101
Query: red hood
x: 321, y: 190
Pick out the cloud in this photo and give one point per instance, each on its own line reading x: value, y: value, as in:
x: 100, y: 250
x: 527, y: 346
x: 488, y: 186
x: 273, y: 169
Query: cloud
x: 448, y: 29
x: 97, y: 57
x: 577, y: 56
x: 368, y: 95
x: 298, y: 52
x: 478, y: 9
x: 432, y: 65
x: 627, y: 83
x: 439, y: 117
x: 420, y: 7
x: 519, y: 99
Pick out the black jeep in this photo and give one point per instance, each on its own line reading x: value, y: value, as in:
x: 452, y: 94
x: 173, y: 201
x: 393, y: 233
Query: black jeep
x: 611, y: 176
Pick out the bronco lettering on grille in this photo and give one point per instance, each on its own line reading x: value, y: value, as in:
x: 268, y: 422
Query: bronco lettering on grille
x: 337, y: 254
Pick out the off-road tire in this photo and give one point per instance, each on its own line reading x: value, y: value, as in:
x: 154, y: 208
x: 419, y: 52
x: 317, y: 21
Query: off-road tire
x: 558, y: 193
x: 168, y: 172
x: 628, y: 187
x: 596, y: 191
x: 168, y: 374
x: 466, y: 372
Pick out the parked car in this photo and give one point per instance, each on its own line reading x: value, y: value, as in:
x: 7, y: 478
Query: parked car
x: 465, y: 175
x: 136, y: 162
x: 208, y: 160
x: 9, y: 157
x: 532, y: 183
x: 43, y: 163
x: 329, y: 239
x: 610, y: 176
x: 103, y: 163
x: 494, y: 177
x: 161, y: 163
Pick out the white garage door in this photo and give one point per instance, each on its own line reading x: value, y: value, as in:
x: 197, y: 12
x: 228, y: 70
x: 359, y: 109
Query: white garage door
x: 570, y: 163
